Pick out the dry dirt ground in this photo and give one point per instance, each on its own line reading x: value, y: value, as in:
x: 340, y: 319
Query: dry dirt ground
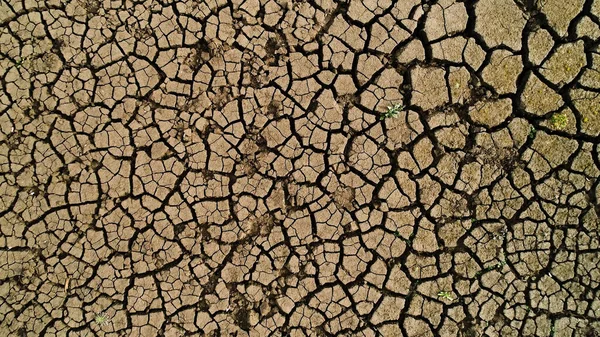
x: 222, y: 168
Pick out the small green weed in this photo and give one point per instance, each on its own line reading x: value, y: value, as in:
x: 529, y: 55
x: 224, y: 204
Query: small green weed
x: 101, y: 319
x: 19, y: 62
x: 498, y: 265
x: 532, y: 131
x: 446, y: 295
x: 392, y: 111
x: 559, y: 121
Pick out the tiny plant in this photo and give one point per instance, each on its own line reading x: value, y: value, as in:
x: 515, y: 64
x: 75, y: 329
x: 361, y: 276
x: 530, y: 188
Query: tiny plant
x: 19, y: 61
x: 491, y: 267
x: 392, y: 111
x: 445, y: 295
x: 101, y: 319
x: 532, y: 131
x: 559, y: 121
x: 500, y: 264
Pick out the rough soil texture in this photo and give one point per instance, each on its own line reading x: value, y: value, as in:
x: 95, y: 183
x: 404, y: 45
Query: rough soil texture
x: 220, y: 168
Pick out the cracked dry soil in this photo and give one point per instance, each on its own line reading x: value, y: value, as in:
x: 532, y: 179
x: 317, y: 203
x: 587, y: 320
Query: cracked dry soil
x: 220, y: 168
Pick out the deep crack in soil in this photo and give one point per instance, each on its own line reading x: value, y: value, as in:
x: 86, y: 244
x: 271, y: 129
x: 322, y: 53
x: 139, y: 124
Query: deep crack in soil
x: 299, y: 168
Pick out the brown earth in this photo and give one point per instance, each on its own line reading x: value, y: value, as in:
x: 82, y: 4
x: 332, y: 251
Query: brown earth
x: 225, y: 168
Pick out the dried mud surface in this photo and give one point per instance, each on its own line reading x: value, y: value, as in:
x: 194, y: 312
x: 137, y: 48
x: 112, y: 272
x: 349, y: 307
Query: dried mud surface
x: 220, y: 168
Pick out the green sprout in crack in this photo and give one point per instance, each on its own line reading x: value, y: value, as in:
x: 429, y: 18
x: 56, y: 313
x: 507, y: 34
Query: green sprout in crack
x: 19, y: 62
x: 500, y: 264
x: 491, y: 267
x: 101, y: 319
x: 532, y: 131
x: 559, y: 121
x: 445, y: 295
x: 392, y: 111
